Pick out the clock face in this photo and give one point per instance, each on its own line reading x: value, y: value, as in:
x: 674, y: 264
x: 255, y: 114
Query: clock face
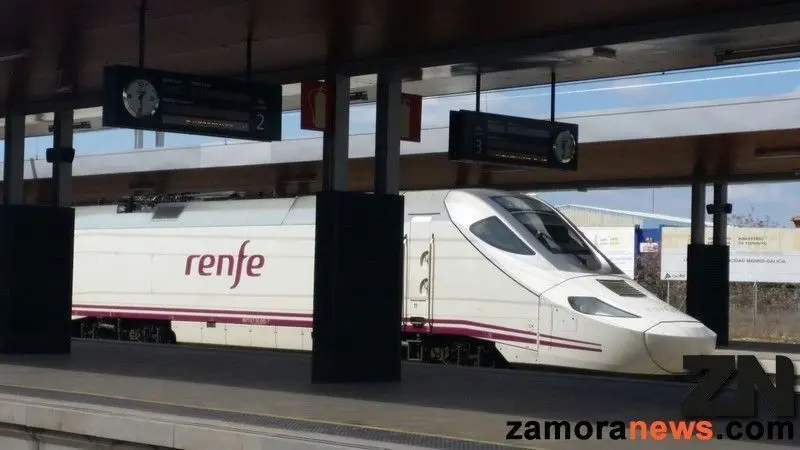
x: 140, y: 98
x: 564, y: 147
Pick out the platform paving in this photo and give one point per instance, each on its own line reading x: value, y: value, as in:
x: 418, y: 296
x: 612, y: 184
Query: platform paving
x: 434, y: 406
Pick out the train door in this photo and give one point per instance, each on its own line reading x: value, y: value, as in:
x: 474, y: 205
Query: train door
x: 418, y: 304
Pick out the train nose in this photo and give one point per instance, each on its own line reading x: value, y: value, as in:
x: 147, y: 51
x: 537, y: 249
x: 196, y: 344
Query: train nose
x: 668, y: 342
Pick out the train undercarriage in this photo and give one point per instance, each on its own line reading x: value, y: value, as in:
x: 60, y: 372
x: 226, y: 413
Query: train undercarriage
x: 452, y: 350
x: 119, y: 329
x: 425, y: 348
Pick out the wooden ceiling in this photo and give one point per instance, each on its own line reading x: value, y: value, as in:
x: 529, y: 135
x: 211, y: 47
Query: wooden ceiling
x: 52, y: 51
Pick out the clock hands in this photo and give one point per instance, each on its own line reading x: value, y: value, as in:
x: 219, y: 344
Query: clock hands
x: 141, y: 100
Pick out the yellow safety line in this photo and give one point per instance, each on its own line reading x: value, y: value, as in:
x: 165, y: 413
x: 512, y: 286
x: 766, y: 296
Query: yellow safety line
x: 273, y: 416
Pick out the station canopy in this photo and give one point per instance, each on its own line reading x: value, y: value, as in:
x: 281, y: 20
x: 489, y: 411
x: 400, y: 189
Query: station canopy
x: 52, y: 51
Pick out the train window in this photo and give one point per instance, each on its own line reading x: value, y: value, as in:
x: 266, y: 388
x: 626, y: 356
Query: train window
x: 557, y: 234
x: 495, y: 233
x: 545, y: 224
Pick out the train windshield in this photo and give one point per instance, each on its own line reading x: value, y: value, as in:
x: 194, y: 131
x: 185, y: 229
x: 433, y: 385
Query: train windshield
x: 556, y: 234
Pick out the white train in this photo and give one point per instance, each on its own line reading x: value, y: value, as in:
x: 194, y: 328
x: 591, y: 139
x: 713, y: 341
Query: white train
x: 491, y: 278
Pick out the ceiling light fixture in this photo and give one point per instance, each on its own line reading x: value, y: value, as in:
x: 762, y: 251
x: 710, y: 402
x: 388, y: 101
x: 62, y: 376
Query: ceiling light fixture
x: 777, y: 153
x: 604, y: 53
x: 758, y: 54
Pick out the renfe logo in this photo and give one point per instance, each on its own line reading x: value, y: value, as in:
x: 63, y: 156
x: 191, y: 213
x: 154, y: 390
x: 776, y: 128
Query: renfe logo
x: 225, y: 265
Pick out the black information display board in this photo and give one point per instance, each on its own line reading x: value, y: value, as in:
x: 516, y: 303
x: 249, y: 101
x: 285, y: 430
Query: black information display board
x: 182, y: 103
x: 516, y: 141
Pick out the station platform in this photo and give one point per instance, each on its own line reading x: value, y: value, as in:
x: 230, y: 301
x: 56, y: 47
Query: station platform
x: 270, y: 392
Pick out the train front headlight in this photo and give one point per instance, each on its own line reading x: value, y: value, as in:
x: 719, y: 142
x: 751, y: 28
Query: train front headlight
x: 596, y: 307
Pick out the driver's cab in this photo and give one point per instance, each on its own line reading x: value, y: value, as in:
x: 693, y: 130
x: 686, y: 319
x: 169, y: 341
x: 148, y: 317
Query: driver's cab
x: 525, y: 225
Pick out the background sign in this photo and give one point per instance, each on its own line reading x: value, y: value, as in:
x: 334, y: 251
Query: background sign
x: 315, y: 108
x: 82, y: 125
x: 508, y: 140
x: 617, y: 243
x: 183, y: 103
x: 315, y: 111
x: 769, y: 255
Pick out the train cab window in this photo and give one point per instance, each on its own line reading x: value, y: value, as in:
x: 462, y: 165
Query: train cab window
x: 495, y: 233
x: 545, y: 224
x: 556, y: 234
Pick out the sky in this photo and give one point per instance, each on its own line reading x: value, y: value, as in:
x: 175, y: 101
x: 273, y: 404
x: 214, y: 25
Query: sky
x: 776, y: 201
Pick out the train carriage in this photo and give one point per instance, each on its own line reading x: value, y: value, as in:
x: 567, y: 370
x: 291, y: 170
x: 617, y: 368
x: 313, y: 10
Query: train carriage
x: 492, y: 278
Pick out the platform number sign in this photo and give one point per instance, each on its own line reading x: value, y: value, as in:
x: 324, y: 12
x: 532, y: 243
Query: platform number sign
x: 484, y: 138
x: 146, y: 99
x: 479, y: 140
x: 260, y: 116
x: 749, y: 375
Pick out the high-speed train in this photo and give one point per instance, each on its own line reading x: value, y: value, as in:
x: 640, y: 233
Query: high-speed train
x: 492, y: 278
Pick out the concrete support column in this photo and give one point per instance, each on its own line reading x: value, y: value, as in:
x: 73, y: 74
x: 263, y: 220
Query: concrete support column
x: 159, y: 139
x: 387, y: 134
x: 698, y: 218
x: 138, y: 139
x: 358, y: 261
x: 62, y: 155
x: 336, y: 139
x: 14, y: 162
x: 708, y: 266
x: 720, y: 214
x: 36, y: 256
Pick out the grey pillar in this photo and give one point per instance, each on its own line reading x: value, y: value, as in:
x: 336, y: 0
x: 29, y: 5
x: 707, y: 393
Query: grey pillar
x: 358, y: 266
x: 387, y: 134
x: 720, y: 236
x: 62, y: 163
x: 37, y: 251
x: 698, y: 229
x: 14, y: 163
x: 708, y: 266
x: 159, y: 138
x: 336, y: 139
x: 138, y: 139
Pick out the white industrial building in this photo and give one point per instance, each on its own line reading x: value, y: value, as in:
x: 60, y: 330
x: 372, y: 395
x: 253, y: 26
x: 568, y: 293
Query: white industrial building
x: 592, y: 216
